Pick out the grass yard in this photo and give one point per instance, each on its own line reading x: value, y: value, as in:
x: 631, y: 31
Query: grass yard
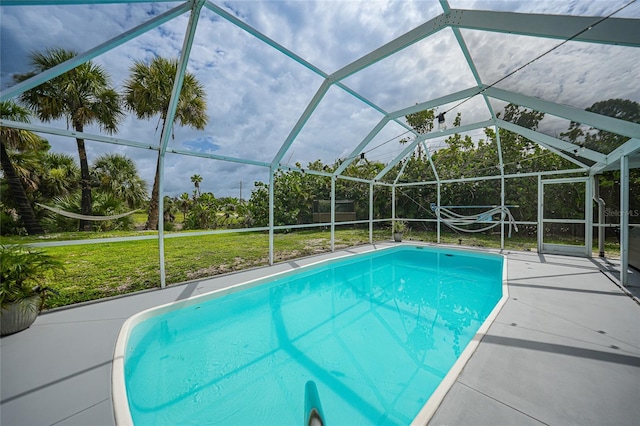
x: 95, y: 271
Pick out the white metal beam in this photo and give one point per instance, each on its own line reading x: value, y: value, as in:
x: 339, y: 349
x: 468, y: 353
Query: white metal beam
x: 540, y: 226
x: 474, y: 71
x: 602, y: 122
x: 73, y: 134
x: 224, y: 158
x: 631, y: 147
x: 333, y: 213
x: 262, y: 37
x: 404, y: 165
x: 180, y: 71
x: 550, y: 141
x: 322, y: 90
x: 543, y: 140
x: 265, y: 39
x: 493, y: 177
x: 74, y: 2
x: 433, y: 166
x: 420, y: 32
x: 354, y: 154
x: 168, y: 124
x: 619, y: 31
x: 438, y: 201
x: 467, y: 56
x: 393, y: 204
x: 478, y: 79
x: 371, y: 213
x: 431, y: 135
x: 624, y: 220
x: 502, y: 192
x: 459, y: 129
x: 124, y: 142
x: 277, y: 46
x: 563, y: 155
x: 354, y: 179
x: 53, y: 72
x: 272, y: 181
x: 408, y: 149
x: 453, y: 97
x: 476, y: 75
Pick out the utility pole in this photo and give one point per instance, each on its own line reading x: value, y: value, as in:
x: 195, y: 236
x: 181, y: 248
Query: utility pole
x: 240, y: 189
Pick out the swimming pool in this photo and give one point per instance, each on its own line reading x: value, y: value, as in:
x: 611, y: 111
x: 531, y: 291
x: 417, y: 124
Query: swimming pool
x: 376, y: 333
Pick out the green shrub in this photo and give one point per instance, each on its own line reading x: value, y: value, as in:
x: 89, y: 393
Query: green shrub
x: 23, y: 272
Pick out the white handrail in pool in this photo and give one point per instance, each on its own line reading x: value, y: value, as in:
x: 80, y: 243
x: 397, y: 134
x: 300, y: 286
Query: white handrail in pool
x: 313, y: 415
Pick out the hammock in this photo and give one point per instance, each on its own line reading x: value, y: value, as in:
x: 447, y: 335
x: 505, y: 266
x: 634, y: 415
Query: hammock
x: 457, y: 221
x: 86, y: 217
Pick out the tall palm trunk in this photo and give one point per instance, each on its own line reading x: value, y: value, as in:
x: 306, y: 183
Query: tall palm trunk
x: 154, y: 207
x: 85, y: 182
x: 154, y: 203
x: 18, y: 194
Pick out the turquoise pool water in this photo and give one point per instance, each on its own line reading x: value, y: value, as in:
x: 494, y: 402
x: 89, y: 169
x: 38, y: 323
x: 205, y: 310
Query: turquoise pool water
x: 375, y: 332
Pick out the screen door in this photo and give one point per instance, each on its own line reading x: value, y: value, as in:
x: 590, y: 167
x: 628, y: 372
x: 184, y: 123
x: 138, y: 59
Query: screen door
x: 564, y: 212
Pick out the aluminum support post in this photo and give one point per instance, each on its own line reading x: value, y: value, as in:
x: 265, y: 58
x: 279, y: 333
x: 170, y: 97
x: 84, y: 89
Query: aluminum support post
x: 540, y: 212
x: 163, y: 278
x: 370, y: 213
x: 168, y: 124
x: 624, y: 220
x: 271, y: 215
x: 438, y: 216
x: 601, y: 217
x: 393, y: 208
x: 502, y: 215
x: 333, y: 213
x: 588, y: 216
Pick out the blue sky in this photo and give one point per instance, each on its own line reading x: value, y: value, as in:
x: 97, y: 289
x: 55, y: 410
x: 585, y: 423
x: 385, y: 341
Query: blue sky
x: 255, y: 94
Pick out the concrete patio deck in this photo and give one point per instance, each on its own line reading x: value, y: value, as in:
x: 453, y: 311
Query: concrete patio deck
x: 565, y: 349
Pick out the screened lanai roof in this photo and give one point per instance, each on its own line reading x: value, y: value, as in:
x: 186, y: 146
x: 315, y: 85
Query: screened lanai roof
x: 289, y: 83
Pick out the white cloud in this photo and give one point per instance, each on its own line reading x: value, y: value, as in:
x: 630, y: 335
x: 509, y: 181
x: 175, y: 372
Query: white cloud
x: 256, y: 94
x: 557, y: 7
x: 431, y: 68
x: 580, y: 74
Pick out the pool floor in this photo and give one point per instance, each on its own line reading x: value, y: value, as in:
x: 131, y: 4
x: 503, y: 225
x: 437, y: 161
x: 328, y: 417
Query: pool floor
x: 376, y: 335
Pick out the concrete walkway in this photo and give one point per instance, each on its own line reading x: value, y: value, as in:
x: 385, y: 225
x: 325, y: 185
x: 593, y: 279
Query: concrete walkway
x: 565, y: 349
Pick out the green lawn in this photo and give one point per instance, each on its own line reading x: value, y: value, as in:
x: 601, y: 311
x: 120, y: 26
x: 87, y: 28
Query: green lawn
x: 95, y: 271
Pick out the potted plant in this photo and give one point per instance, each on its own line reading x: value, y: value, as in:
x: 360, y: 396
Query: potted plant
x: 399, y: 226
x: 22, y: 271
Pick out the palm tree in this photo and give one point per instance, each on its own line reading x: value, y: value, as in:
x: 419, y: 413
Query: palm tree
x: 61, y: 176
x: 18, y: 140
x: 82, y: 96
x: 28, y: 165
x: 196, y: 179
x: 148, y: 92
x: 170, y: 209
x: 185, y: 204
x: 117, y: 175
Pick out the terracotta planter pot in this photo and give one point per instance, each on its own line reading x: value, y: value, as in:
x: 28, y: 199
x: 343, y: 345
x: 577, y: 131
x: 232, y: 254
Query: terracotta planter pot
x: 19, y: 316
